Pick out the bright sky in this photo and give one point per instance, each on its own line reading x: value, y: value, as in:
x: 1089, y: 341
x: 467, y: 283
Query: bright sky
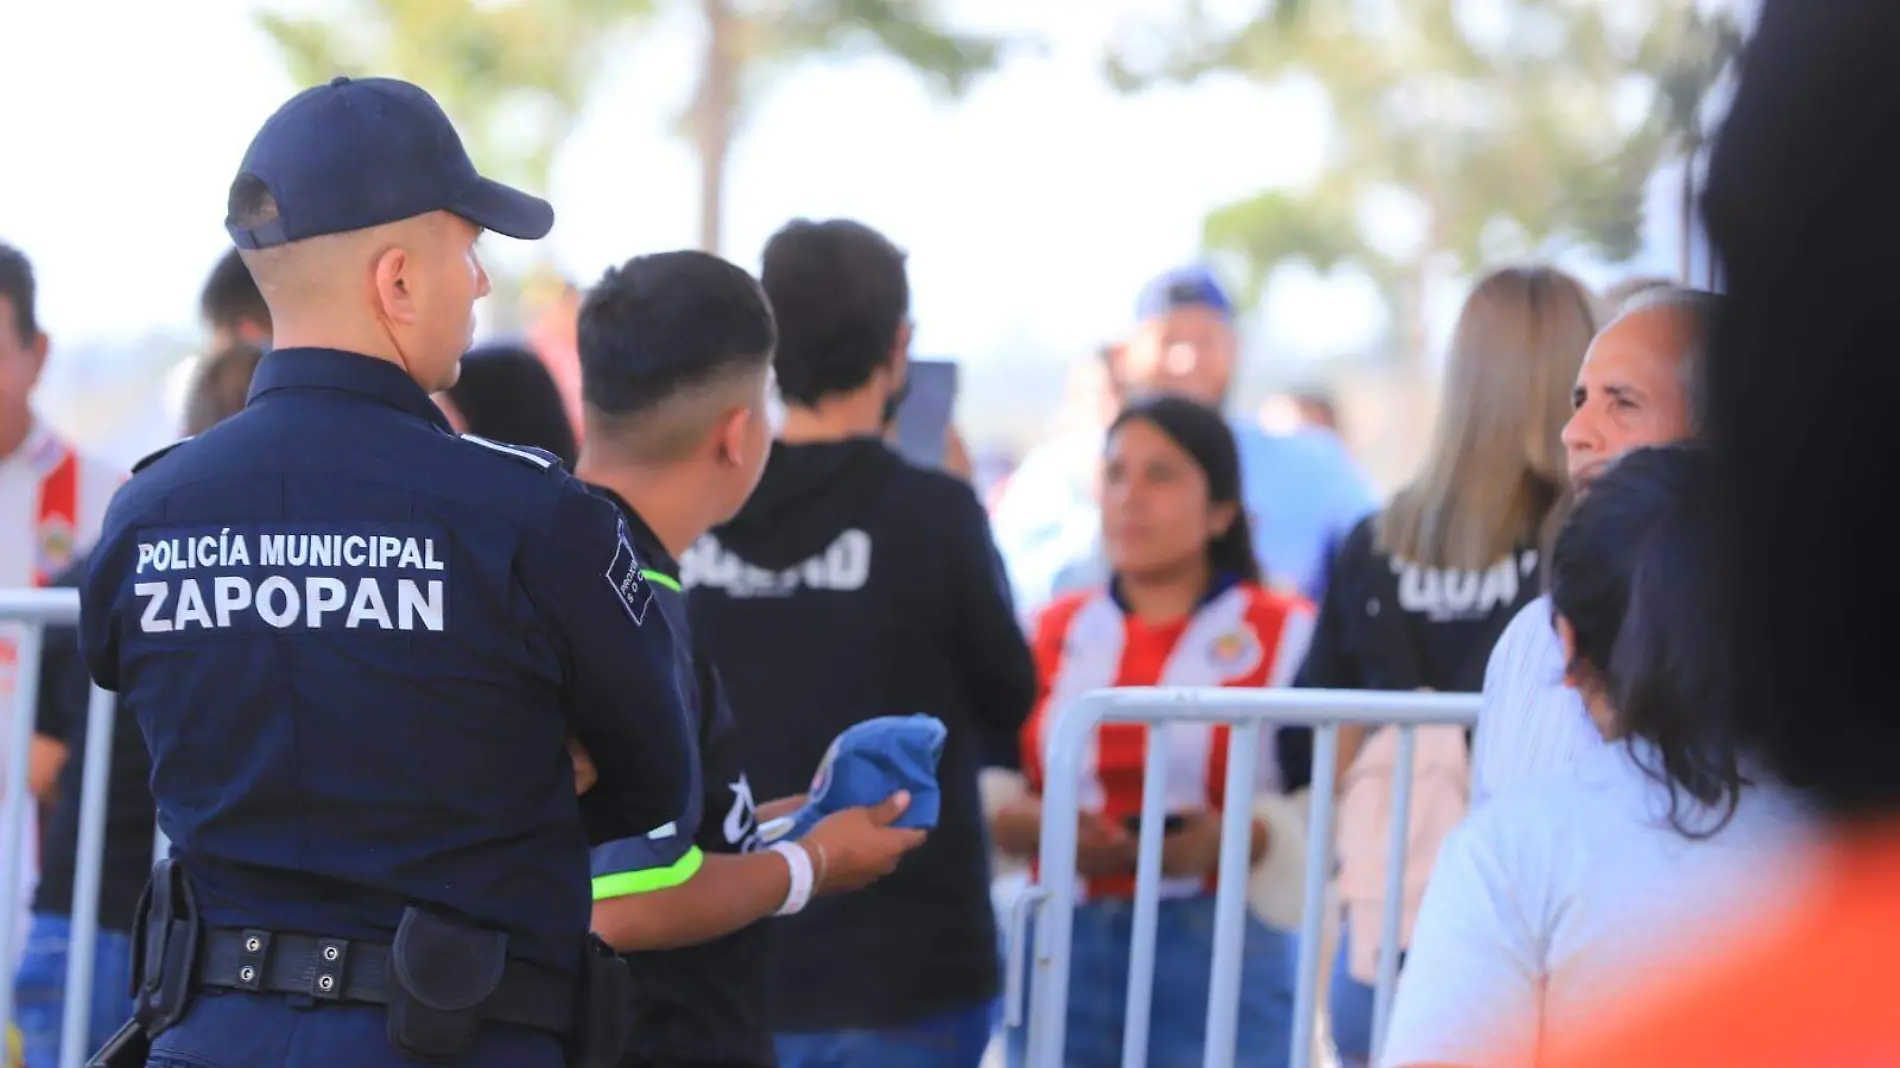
x: 1033, y: 210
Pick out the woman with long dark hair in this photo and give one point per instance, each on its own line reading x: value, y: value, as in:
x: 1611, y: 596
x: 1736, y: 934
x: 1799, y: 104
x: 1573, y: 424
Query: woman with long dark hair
x: 506, y: 394
x: 1561, y: 890
x: 1187, y: 606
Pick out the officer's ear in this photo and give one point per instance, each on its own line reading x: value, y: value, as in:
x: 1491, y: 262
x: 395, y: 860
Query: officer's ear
x: 395, y: 293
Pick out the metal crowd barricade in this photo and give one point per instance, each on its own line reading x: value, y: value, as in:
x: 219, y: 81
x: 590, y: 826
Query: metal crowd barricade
x: 1052, y: 902
x: 34, y: 610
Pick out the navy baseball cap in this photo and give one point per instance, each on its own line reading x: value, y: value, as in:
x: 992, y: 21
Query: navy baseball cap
x: 1184, y: 287
x: 361, y: 152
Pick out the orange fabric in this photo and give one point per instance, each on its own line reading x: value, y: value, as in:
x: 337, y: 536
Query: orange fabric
x: 1122, y: 748
x: 1823, y: 989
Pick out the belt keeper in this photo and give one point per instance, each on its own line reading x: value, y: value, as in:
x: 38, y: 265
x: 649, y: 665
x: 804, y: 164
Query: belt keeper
x: 252, y: 961
x: 326, y: 981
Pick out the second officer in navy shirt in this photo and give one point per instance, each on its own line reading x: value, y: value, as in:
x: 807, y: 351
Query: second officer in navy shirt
x: 356, y: 644
x: 676, y: 356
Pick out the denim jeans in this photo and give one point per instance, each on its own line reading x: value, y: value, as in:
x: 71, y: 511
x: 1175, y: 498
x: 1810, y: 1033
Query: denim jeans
x: 1177, y: 1021
x: 1349, y: 1007
x: 39, y: 990
x: 953, y: 1039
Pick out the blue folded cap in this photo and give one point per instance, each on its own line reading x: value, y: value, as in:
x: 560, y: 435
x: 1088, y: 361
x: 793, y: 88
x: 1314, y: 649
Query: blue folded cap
x: 873, y: 760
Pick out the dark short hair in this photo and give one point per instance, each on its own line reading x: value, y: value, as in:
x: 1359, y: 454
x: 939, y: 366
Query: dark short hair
x: 220, y: 385
x: 505, y: 393
x: 17, y: 287
x: 231, y: 296
x: 660, y: 324
x: 1204, y: 435
x: 841, y: 295
x: 1632, y: 574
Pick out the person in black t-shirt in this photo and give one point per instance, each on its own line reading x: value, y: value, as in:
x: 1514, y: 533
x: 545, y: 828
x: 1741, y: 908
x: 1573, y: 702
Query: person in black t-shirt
x: 217, y: 392
x: 855, y: 585
x: 675, y: 352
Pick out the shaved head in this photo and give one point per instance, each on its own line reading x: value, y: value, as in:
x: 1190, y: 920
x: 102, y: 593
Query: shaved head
x: 688, y: 423
x: 297, y: 273
x: 404, y: 291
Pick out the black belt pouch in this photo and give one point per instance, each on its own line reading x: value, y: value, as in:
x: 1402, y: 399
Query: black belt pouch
x: 604, y: 1008
x: 442, y: 970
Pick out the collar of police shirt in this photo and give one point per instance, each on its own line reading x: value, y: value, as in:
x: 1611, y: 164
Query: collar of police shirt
x: 314, y: 368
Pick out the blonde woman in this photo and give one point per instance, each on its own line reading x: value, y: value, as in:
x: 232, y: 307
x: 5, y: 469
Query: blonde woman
x: 1420, y: 591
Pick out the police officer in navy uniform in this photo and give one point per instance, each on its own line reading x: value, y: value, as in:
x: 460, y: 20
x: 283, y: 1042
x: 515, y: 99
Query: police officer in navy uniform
x: 357, y: 645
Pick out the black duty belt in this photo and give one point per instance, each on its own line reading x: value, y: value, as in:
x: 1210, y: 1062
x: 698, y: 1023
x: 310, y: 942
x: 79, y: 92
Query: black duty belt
x: 343, y: 971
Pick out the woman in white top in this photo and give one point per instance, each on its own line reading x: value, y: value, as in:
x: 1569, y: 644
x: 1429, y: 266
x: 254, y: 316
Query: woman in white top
x: 1571, y: 888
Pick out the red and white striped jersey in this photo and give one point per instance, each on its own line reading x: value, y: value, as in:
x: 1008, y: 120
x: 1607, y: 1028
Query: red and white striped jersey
x: 1245, y: 635
x: 52, y: 500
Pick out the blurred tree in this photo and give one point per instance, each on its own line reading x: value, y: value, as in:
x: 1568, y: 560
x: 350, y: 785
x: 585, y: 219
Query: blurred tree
x: 750, y: 42
x: 515, y: 73
x: 1705, y: 49
x: 1499, y: 128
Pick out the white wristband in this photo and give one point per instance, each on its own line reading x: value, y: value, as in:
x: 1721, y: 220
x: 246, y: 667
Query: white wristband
x: 799, y: 861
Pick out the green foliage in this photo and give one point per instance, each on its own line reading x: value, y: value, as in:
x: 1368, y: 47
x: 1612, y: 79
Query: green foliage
x: 910, y: 31
x: 1528, y: 128
x: 513, y: 74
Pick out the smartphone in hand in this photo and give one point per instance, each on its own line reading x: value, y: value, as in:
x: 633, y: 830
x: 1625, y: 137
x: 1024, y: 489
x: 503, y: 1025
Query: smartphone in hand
x: 1168, y: 826
x: 923, y: 417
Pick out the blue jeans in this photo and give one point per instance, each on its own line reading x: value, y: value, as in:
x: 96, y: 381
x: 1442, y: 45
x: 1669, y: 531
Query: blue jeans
x: 1349, y: 1005
x: 229, y: 1029
x: 953, y: 1039
x: 1177, y: 1022
x: 39, y: 990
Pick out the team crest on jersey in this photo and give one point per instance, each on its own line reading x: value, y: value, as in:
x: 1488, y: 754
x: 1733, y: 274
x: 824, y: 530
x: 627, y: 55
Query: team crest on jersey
x: 55, y: 544
x: 1235, y: 653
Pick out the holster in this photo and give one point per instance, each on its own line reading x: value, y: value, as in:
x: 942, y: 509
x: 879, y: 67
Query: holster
x: 131, y: 1047
x: 603, y: 1014
x: 442, y: 970
x: 166, y: 933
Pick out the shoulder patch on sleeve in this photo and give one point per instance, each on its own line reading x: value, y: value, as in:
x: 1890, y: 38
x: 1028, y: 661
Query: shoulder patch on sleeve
x: 624, y: 575
x: 157, y: 456
x: 527, y: 454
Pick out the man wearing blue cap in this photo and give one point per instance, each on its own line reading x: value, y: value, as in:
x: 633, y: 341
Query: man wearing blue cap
x: 1302, y: 490
x: 357, y: 643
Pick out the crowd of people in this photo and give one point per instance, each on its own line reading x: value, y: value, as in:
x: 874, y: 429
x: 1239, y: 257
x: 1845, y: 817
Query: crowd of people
x: 802, y: 688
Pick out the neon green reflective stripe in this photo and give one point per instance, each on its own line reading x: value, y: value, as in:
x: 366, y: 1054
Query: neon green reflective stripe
x: 628, y: 883
x: 661, y: 578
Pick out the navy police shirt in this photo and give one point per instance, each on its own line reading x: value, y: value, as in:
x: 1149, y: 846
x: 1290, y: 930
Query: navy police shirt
x: 703, y: 1004
x: 356, y: 643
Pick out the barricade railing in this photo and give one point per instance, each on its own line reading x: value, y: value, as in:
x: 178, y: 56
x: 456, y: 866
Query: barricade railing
x: 32, y: 611
x: 1052, y: 901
